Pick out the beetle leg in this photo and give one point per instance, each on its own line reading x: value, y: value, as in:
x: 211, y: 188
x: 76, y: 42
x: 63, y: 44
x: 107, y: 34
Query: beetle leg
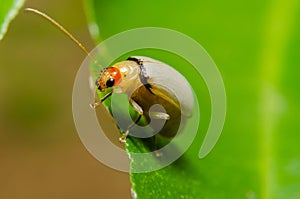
x: 159, y: 115
x: 140, y: 111
x: 124, y: 136
x: 136, y: 107
x: 94, y: 105
x: 154, y: 148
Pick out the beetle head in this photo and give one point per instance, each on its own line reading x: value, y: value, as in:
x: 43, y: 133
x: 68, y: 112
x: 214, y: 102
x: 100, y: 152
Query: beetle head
x: 109, y: 77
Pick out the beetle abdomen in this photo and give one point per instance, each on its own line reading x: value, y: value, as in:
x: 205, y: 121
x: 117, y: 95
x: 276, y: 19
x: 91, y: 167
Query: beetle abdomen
x: 164, y: 77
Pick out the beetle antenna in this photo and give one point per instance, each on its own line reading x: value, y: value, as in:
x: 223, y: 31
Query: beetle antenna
x: 66, y: 32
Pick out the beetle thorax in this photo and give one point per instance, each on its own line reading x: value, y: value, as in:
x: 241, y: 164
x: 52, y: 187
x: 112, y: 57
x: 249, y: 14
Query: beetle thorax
x: 130, y: 76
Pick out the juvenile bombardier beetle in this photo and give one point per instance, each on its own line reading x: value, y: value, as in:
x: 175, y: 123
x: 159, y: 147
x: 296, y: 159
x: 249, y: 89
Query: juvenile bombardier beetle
x: 147, y: 82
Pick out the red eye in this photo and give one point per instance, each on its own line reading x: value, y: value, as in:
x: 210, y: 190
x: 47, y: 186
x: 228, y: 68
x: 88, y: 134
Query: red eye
x: 115, y: 74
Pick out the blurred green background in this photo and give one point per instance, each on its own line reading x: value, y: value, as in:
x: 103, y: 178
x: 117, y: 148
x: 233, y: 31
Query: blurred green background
x: 255, y: 44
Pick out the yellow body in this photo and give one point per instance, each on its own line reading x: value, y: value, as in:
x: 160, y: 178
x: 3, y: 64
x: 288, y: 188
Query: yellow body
x: 165, y: 93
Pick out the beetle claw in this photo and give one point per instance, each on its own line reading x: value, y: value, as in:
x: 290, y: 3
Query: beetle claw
x: 94, y: 105
x: 122, y: 139
x: 158, y: 154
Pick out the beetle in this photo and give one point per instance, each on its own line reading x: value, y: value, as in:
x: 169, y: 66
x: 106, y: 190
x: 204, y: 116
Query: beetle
x: 146, y: 82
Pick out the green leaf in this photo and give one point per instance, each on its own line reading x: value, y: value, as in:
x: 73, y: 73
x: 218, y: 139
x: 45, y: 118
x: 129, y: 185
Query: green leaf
x: 8, y: 10
x: 256, y: 47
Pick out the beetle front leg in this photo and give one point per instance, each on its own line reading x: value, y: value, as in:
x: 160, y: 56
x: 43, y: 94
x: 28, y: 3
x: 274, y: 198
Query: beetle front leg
x: 94, y: 105
x: 140, y: 111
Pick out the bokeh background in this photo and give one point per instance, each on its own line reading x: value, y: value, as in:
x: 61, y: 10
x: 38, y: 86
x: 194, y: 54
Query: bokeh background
x: 41, y: 155
x: 255, y: 44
